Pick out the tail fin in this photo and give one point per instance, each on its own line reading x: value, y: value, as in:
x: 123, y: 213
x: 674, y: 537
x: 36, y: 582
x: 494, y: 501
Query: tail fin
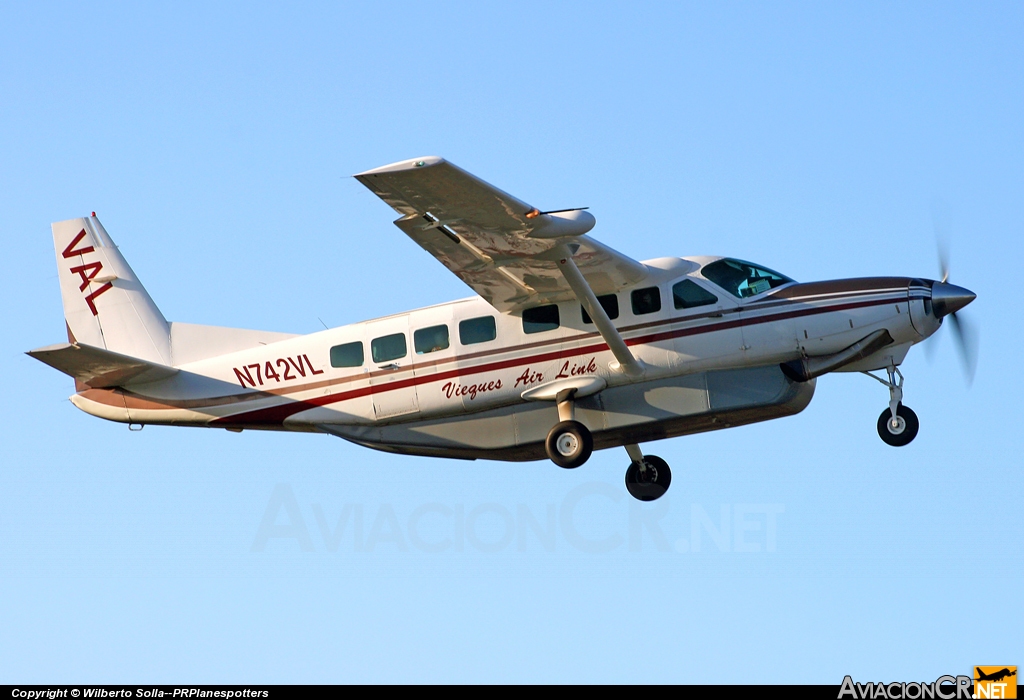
x: 105, y: 305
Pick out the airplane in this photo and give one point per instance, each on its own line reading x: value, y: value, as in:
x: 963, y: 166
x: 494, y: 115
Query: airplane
x: 566, y: 347
x: 995, y: 676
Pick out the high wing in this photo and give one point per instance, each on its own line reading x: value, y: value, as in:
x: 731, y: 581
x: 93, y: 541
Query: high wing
x: 502, y: 247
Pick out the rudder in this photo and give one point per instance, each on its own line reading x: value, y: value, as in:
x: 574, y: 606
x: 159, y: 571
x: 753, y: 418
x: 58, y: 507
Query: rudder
x: 105, y: 305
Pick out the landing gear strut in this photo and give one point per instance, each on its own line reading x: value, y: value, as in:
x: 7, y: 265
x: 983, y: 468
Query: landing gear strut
x: 647, y: 477
x: 898, y: 424
x: 570, y: 444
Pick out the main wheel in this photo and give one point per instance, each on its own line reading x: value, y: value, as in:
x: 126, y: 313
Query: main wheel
x: 569, y: 444
x: 899, y: 431
x: 650, y: 483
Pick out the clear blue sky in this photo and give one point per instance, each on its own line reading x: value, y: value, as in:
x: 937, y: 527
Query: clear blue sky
x: 215, y: 142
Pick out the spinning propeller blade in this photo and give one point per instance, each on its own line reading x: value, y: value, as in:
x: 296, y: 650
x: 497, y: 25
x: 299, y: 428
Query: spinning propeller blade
x: 967, y: 345
x: 943, y: 250
x: 947, y: 300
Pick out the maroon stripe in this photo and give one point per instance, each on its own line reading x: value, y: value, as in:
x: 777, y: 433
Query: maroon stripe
x: 275, y: 415
x: 853, y: 284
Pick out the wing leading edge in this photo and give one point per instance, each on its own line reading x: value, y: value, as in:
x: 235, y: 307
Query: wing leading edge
x: 499, y: 245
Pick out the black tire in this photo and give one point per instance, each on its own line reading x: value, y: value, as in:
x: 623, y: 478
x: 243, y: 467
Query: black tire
x: 904, y: 433
x: 651, y: 483
x: 569, y: 444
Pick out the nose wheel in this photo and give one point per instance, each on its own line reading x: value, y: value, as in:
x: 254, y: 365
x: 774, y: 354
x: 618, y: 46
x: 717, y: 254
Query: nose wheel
x: 900, y: 429
x: 898, y: 424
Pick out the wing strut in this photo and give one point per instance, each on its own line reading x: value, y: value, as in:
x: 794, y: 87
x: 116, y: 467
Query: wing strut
x: 627, y: 363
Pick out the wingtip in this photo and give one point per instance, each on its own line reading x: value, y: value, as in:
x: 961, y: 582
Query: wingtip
x: 411, y: 164
x: 48, y: 349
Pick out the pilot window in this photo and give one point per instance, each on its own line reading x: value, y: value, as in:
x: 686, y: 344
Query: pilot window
x: 608, y: 302
x: 646, y: 300
x: 347, y: 355
x: 388, y: 347
x: 688, y: 294
x: 540, y: 319
x: 477, y: 330
x: 430, y: 339
x: 742, y: 279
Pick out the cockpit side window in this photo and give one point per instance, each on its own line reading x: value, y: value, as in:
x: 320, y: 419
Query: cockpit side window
x: 743, y: 279
x: 687, y: 294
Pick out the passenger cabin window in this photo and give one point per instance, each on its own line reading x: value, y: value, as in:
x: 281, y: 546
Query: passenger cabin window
x: 608, y: 302
x: 347, y: 355
x: 688, y: 294
x: 430, y: 339
x: 388, y: 348
x: 477, y: 330
x: 742, y: 279
x: 540, y: 319
x: 646, y: 300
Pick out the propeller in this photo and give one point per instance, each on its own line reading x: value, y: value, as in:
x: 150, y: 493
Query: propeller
x: 947, y: 300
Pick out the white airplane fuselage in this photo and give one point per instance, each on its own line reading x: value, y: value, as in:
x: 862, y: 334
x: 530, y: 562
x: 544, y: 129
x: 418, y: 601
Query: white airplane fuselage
x: 570, y: 345
x: 705, y: 368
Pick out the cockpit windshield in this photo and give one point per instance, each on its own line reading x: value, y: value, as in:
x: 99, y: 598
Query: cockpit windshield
x: 742, y: 279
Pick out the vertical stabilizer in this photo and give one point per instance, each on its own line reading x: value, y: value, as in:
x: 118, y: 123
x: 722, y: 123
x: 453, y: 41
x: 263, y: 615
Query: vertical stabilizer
x: 105, y: 305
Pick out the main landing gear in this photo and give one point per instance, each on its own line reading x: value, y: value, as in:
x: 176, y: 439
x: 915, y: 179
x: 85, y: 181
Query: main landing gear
x: 570, y: 444
x: 647, y: 477
x: 898, y: 424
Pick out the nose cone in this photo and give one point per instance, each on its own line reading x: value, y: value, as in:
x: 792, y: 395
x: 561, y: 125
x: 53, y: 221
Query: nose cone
x: 949, y: 298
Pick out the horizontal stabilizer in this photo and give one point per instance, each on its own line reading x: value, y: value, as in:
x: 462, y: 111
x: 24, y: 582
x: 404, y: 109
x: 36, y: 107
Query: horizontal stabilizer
x: 100, y: 368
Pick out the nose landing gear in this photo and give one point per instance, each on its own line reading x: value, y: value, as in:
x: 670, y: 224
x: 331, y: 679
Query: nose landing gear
x: 900, y: 429
x: 898, y: 424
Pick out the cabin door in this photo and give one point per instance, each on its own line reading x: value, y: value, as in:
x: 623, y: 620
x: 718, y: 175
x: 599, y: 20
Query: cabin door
x: 392, y: 381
